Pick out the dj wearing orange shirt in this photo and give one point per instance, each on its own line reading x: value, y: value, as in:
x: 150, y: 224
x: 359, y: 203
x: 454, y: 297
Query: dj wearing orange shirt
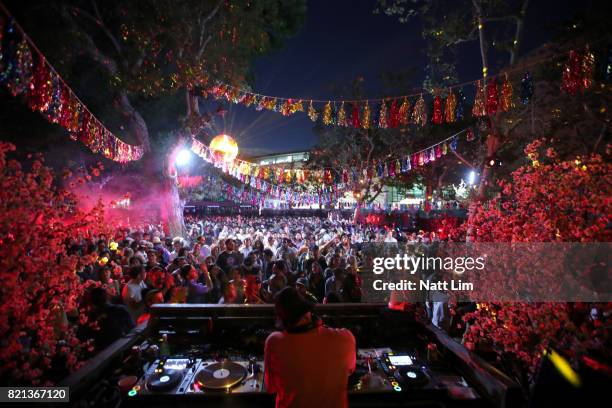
x: 307, y: 364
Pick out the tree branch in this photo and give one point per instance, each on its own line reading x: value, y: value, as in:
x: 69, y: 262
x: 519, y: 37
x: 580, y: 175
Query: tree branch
x: 470, y: 37
x: 520, y: 23
x: 99, y: 23
x: 90, y: 47
x: 208, y: 18
x: 462, y: 159
x: 203, y: 47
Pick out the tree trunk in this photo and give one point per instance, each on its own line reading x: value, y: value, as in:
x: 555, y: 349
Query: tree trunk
x: 173, y: 208
x: 136, y: 123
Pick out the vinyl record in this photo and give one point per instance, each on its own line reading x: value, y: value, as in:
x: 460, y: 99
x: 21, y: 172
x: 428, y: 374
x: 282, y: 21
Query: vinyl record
x: 217, y: 376
x: 164, y: 381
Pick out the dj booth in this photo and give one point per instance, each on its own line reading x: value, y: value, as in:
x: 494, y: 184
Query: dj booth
x: 212, y: 355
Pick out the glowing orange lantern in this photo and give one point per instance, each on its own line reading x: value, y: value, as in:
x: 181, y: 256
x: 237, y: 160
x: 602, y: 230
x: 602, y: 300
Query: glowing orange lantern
x: 224, y: 147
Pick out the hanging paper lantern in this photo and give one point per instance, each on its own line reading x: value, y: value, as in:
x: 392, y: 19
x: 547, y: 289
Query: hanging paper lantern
x: 393, y: 115
x: 438, y: 149
x: 382, y: 116
x: 341, y: 116
x: 419, y: 114
x: 404, y: 113
x: 449, y: 107
x: 224, y: 148
x: 526, y: 88
x: 355, y: 117
x: 453, y: 144
x: 506, y: 101
x: 365, y: 121
x: 460, y: 103
x: 415, y: 160
x: 588, y: 64
x: 385, y: 170
x: 492, y: 97
x: 423, y: 159
x: 437, y: 118
x: 432, y: 155
x: 312, y: 113
x: 444, y: 149
x: 327, y: 119
x: 572, y: 74
x: 479, y: 101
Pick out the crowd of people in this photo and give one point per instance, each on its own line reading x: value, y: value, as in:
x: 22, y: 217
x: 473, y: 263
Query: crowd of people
x: 227, y: 260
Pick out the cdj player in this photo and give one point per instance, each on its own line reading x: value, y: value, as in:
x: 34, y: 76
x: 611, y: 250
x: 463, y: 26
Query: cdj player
x: 196, y: 355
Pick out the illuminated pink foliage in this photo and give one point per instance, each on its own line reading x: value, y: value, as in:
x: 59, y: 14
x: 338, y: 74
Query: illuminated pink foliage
x: 40, y: 288
x: 546, y: 200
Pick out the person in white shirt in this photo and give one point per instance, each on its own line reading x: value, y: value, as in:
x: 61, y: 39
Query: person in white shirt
x: 390, y: 238
x: 204, y: 249
x: 246, y: 248
x: 177, y: 244
x: 132, y: 291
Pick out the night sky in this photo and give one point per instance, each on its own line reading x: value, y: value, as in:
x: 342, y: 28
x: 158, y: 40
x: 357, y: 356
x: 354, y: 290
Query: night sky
x: 341, y: 40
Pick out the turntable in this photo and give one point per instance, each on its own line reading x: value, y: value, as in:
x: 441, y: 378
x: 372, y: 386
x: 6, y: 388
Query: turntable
x: 164, y: 381
x: 166, y: 376
x: 220, y: 376
x: 228, y: 376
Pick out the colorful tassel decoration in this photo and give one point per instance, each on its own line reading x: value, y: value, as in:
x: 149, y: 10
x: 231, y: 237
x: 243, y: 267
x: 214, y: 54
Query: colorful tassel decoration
x: 382, y: 116
x: 365, y: 120
x: 327, y: 114
x: 404, y: 113
x: 393, y: 115
x: 341, y: 116
x: 419, y: 114
x: 479, y: 101
x: 492, y: 97
x: 437, y: 118
x: 588, y: 64
x: 506, y: 95
x: 355, y: 116
x: 312, y: 113
x: 459, y: 112
x: 449, y: 107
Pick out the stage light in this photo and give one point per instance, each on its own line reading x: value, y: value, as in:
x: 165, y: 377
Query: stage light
x: 472, y: 178
x: 183, y: 157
